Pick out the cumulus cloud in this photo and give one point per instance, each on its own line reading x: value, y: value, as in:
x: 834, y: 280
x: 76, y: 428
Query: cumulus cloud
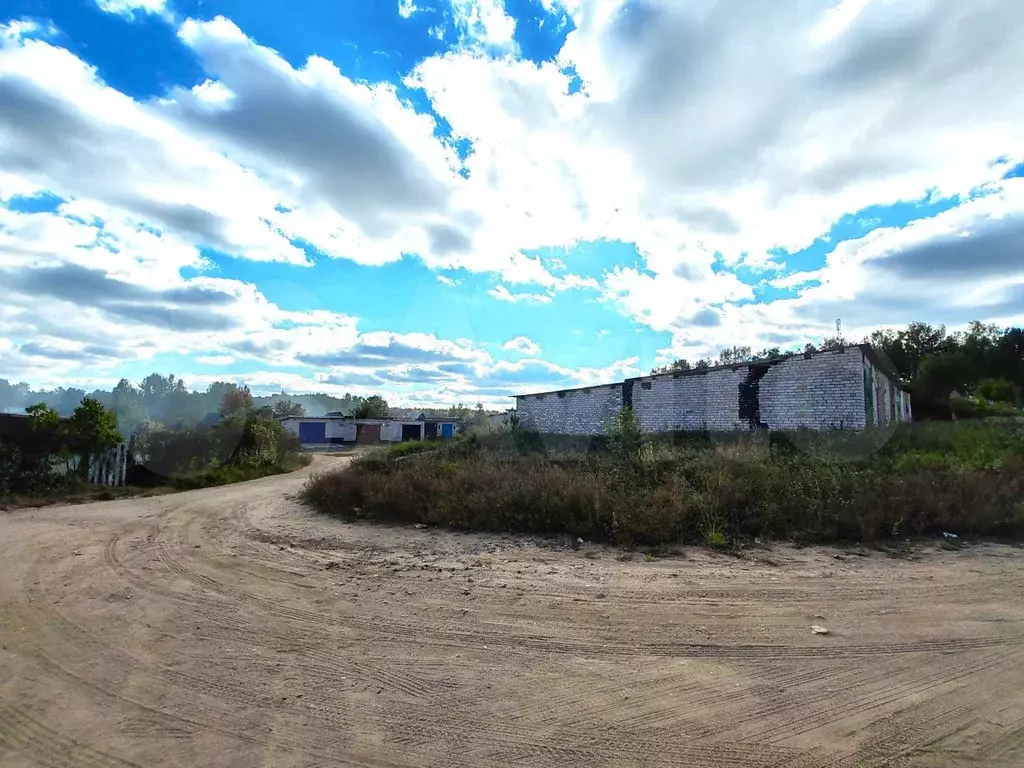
x: 704, y: 136
x: 522, y: 345
x: 484, y: 21
x: 323, y: 136
x: 65, y: 131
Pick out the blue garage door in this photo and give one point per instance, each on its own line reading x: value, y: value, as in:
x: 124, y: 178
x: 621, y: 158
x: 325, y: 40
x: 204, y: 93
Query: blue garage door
x: 312, y: 431
x: 447, y: 431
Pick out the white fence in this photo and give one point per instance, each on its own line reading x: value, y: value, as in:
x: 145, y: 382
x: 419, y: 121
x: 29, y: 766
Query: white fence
x: 109, y: 468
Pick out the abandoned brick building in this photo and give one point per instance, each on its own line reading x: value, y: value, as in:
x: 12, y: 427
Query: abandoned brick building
x: 854, y: 387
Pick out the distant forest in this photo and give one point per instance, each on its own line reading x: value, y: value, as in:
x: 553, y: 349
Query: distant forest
x: 165, y: 400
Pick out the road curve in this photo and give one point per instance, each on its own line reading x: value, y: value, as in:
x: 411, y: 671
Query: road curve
x: 232, y: 627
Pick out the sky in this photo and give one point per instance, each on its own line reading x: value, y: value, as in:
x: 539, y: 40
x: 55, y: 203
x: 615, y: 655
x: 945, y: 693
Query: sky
x: 451, y: 201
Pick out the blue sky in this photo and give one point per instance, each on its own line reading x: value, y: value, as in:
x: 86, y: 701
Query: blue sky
x: 458, y: 200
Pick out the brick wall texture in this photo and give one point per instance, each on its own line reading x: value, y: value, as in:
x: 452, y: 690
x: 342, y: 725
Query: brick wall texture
x: 842, y: 389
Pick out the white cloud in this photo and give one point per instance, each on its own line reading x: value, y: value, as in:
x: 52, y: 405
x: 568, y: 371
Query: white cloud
x: 445, y: 280
x: 129, y: 7
x: 484, y: 21
x: 705, y: 137
x: 501, y: 293
x: 406, y: 8
x: 522, y: 345
x: 704, y: 132
x: 16, y: 30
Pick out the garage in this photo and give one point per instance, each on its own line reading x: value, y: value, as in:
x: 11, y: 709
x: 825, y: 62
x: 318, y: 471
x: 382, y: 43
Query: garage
x: 411, y: 432
x: 367, y: 434
x: 312, y: 431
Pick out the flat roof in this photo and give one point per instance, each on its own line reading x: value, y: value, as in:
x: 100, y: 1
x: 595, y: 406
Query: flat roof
x: 879, y: 358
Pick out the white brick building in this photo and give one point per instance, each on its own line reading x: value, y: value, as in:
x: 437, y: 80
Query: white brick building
x: 850, y: 388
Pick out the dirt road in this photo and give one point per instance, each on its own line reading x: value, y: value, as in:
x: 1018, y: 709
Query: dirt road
x: 230, y: 627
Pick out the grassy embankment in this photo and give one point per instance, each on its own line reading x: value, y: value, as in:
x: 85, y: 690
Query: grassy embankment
x: 918, y: 480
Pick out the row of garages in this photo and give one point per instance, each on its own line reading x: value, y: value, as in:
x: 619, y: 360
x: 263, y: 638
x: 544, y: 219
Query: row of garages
x: 341, y: 430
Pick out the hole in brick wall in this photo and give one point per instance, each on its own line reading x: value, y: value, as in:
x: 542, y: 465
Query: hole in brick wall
x: 561, y: 394
x: 645, y: 385
x: 539, y: 397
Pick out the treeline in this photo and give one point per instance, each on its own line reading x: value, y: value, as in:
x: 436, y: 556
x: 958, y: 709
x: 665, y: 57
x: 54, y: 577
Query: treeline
x: 960, y: 372
x: 165, y: 400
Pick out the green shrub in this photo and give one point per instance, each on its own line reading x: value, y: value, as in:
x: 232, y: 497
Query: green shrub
x: 929, y: 478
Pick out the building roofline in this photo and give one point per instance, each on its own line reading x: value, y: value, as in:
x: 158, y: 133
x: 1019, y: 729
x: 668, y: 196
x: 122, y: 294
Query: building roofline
x: 879, y: 358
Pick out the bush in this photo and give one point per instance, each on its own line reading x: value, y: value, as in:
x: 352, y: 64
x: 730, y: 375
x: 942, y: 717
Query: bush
x: 995, y: 390
x: 236, y: 447
x: 34, y: 474
x: 961, y: 477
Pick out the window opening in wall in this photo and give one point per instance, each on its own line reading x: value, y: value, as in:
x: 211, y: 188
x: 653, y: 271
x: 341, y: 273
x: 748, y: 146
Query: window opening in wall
x: 645, y: 385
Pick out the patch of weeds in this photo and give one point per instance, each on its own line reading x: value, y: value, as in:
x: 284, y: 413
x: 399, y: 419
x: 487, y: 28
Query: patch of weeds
x: 590, y: 554
x: 624, y: 557
x: 951, y: 545
x: 716, y: 539
x: 667, y: 550
x: 903, y: 551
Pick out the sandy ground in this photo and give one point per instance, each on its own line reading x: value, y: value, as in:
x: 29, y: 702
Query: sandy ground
x: 231, y: 627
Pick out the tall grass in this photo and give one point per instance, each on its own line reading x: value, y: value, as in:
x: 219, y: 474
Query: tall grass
x: 926, y: 479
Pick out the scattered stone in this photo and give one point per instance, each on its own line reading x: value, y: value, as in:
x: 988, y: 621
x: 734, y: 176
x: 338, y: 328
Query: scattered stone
x: 837, y: 556
x: 465, y: 590
x: 419, y: 526
x: 77, y: 552
x: 600, y: 595
x: 197, y: 546
x: 332, y: 565
x: 948, y: 535
x: 819, y: 630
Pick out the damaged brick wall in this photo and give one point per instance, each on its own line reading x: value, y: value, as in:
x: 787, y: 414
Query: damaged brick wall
x: 841, y: 389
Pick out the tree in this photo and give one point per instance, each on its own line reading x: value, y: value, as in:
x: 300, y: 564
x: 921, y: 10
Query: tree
x: 995, y: 390
x: 701, y: 364
x: 626, y: 439
x: 921, y: 340
x: 95, y: 427
x: 833, y: 342
x: 126, y: 403
x: 735, y: 355
x: 68, y: 399
x: 43, y: 418
x: 373, y: 407
x: 236, y: 402
x: 940, y: 375
x: 676, y: 366
x: 768, y: 353
x: 458, y: 412
x: 284, y: 409
x: 13, y: 396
